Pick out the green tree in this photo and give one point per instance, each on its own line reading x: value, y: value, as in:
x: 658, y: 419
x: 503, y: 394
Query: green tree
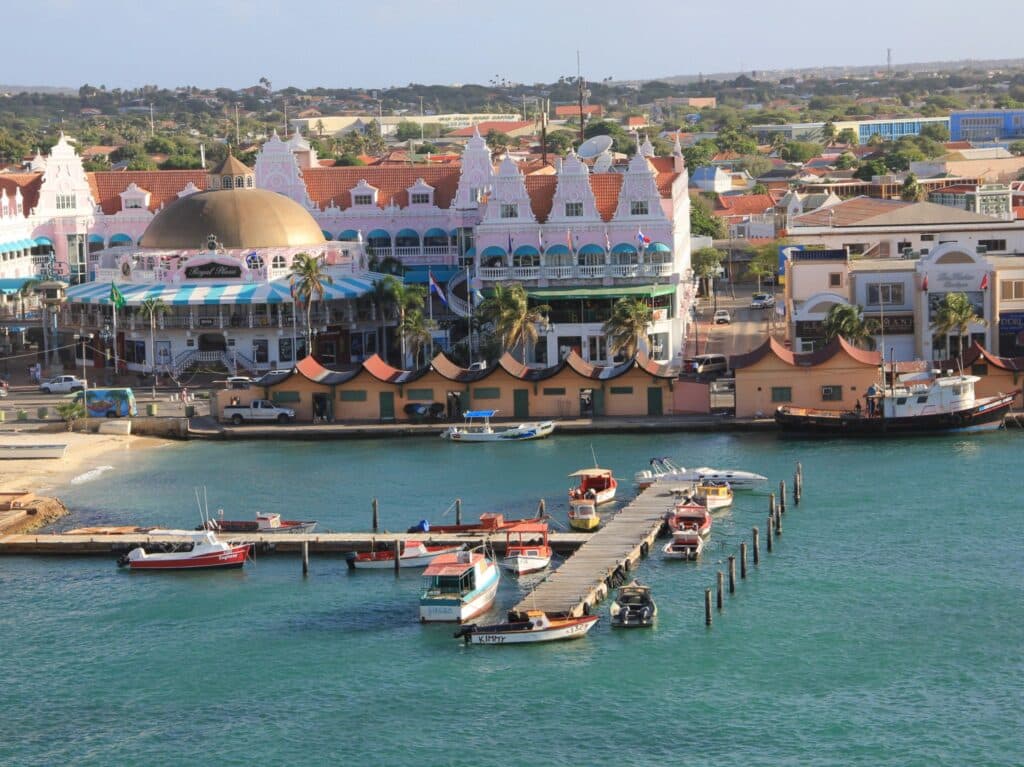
x: 559, y: 141
x: 800, y: 151
x: 404, y: 299
x: 498, y: 142
x: 699, y: 154
x: 778, y: 143
x: 627, y: 325
x: 702, y: 222
x: 348, y: 159
x: 759, y: 188
x: 515, y: 321
x: 828, y: 132
x: 372, y: 138
x: 309, y: 280
x: 936, y: 132
x: 870, y: 169
x: 407, y: 129
x: 160, y: 145
x: 1017, y: 147
x: 415, y: 333
x: 847, y: 321
x: 28, y: 288
x: 846, y: 161
x: 848, y: 136
x: 955, y: 314
x: 70, y: 411
x: 706, y: 263
x: 153, y: 308
x: 912, y: 190
x: 764, y: 263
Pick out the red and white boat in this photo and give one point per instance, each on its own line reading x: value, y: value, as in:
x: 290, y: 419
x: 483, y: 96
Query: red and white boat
x: 686, y: 544
x: 537, y: 627
x: 186, y: 550
x: 413, y: 554
x: 458, y: 587
x: 266, y: 522
x: 688, y: 514
x: 597, y: 485
x: 529, y: 552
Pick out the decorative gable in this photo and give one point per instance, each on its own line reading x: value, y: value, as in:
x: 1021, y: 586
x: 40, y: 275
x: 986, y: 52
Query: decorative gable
x: 364, y: 195
x: 639, y: 198
x: 65, y: 189
x: 277, y: 169
x: 574, y: 198
x: 134, y: 197
x: 190, y: 188
x: 475, y: 174
x: 420, y: 194
x: 509, y: 202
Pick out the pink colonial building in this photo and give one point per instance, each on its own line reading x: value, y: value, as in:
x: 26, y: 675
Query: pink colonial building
x: 578, y: 235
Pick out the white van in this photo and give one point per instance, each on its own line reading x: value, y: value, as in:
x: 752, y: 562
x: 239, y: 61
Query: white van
x: 710, y: 364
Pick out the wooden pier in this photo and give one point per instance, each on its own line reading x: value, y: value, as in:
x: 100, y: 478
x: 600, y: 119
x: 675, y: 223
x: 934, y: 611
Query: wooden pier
x: 605, y: 559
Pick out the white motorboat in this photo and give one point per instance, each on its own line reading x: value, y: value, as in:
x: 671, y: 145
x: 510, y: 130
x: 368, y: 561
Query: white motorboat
x: 413, y: 554
x: 538, y: 626
x: 529, y: 552
x: 596, y: 484
x: 23, y: 450
x: 714, y: 495
x: 478, y: 428
x: 633, y: 607
x: 186, y: 550
x: 686, y: 544
x: 665, y: 469
x: 458, y: 587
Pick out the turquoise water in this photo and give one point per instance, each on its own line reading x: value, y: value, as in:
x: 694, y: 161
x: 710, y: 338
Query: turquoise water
x: 886, y: 628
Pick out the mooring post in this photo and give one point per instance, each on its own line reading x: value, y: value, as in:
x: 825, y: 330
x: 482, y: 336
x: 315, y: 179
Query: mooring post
x: 376, y: 518
x: 398, y: 555
x: 458, y: 511
x: 743, y: 559
x: 771, y: 504
x: 798, y: 483
x: 305, y: 557
x: 541, y: 509
x: 782, y: 496
x: 719, y: 581
x: 707, y: 607
x: 757, y: 545
x: 771, y: 524
x: 778, y: 524
x: 732, y: 574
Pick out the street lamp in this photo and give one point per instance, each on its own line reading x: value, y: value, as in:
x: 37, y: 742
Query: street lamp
x: 105, y: 337
x: 86, y: 339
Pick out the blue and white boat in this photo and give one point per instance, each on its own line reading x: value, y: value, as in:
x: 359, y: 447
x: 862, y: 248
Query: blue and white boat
x: 478, y: 428
x: 458, y: 587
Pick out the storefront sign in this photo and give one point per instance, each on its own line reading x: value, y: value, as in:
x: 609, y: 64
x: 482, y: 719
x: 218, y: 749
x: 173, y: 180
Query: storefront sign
x: 213, y: 270
x: 957, y: 281
x: 894, y: 324
x: 1011, y: 322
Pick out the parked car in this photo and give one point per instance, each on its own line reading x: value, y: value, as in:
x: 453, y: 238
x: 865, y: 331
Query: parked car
x: 3, y: 388
x: 722, y: 317
x: 238, y: 382
x: 762, y: 301
x: 710, y: 364
x: 258, y: 410
x: 62, y: 385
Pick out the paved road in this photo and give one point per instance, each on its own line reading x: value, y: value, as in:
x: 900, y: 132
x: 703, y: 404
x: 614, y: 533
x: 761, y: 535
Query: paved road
x: 748, y: 329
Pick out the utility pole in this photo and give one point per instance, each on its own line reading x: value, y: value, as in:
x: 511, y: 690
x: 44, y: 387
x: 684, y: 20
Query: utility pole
x: 421, y: 131
x: 238, y: 140
x: 579, y: 81
x: 152, y: 129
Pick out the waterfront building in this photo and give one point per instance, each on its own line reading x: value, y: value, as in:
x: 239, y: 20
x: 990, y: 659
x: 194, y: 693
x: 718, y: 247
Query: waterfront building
x: 986, y: 125
x: 889, y: 129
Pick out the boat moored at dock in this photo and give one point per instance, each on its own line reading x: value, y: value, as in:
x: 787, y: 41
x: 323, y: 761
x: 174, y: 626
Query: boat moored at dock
x: 458, y: 587
x: 538, y: 627
x: 478, y: 428
x: 633, y: 606
x: 200, y: 550
x: 529, y: 552
x: 413, y: 554
x: 583, y: 515
x: 266, y: 522
x: 688, y: 514
x: 686, y: 544
x: 714, y: 495
x: 665, y: 469
x: 596, y: 484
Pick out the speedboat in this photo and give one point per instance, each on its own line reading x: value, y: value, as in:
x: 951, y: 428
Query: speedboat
x: 199, y: 551
x: 714, y: 495
x: 478, y: 428
x: 266, y: 522
x: 665, y: 469
x: 595, y: 484
x: 686, y: 544
x: 413, y: 554
x: 525, y: 554
x: 633, y: 607
x: 537, y: 627
x: 583, y: 515
x: 690, y: 515
x: 458, y: 587
x: 918, y: 403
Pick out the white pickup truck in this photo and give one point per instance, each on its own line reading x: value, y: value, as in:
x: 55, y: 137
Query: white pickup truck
x: 258, y: 410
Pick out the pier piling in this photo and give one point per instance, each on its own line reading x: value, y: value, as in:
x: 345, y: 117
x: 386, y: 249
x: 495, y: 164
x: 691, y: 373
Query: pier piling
x: 771, y: 524
x: 398, y: 554
x: 782, y: 496
x: 743, y: 559
x: 778, y: 524
x: 707, y: 607
x: 732, y: 574
x: 458, y: 511
x: 376, y: 517
x: 757, y: 545
x: 541, y: 509
x: 771, y: 504
x: 305, y: 557
x: 719, y: 582
x: 798, y: 483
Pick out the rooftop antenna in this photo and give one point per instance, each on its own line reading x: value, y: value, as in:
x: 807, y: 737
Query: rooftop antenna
x: 579, y: 81
x: 152, y: 129
x: 238, y: 141
x: 888, y: 62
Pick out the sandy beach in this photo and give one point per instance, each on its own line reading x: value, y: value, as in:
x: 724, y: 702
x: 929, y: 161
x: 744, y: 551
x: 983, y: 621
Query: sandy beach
x: 85, y: 453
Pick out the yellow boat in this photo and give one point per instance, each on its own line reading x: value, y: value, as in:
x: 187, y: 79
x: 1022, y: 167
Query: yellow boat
x: 714, y: 495
x: 583, y: 515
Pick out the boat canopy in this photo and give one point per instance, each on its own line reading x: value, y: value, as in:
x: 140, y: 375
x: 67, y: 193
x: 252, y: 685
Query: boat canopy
x: 595, y: 472
x: 480, y: 413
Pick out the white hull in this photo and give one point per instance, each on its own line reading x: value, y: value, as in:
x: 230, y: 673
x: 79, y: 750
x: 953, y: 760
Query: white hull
x: 603, y: 496
x: 436, y: 611
x: 554, y: 634
x: 389, y: 564
x: 714, y: 504
x: 523, y: 565
x: 688, y: 551
x: 21, y: 452
x: 520, y: 433
x: 738, y: 480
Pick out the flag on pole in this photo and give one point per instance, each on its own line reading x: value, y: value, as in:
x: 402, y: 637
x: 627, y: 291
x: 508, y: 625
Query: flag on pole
x: 607, y: 241
x: 115, y: 297
x: 642, y: 238
x: 568, y: 240
x: 924, y: 283
x: 435, y: 287
x: 984, y: 282
x: 510, y: 243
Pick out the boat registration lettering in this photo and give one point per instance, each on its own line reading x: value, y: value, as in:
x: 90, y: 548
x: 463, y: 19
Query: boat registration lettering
x: 491, y: 639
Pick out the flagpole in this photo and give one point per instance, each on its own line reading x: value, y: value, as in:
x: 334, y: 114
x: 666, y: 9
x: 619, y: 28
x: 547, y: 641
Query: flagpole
x: 469, y: 300
x: 115, y: 338
x: 430, y: 306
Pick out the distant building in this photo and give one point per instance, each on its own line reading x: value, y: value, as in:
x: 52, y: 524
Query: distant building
x: 338, y: 125
x: 711, y: 178
x: 889, y: 129
x: 986, y: 125
x: 568, y: 111
x: 989, y: 199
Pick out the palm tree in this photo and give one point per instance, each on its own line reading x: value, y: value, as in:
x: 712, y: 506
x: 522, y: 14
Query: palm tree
x: 404, y: 299
x: 152, y: 308
x: 515, y: 321
x: 847, y: 321
x: 415, y: 333
x: 627, y: 325
x: 308, y: 280
x: 956, y: 313
x: 381, y: 298
x: 70, y: 411
x: 28, y: 287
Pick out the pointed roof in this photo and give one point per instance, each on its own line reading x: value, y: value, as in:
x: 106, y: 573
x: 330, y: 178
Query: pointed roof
x: 872, y: 211
x: 231, y: 166
x: 807, y: 359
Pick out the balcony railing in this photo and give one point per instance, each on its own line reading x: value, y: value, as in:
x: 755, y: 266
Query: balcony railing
x: 581, y: 272
x: 559, y: 272
x: 525, y: 272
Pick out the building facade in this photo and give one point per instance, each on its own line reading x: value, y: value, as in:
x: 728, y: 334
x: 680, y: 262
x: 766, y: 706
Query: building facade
x: 986, y: 125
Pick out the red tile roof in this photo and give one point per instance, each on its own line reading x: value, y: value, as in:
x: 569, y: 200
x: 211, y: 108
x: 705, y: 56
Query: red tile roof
x: 606, y: 188
x: 28, y: 183
x: 571, y: 110
x: 808, y: 359
x: 327, y: 185
x: 744, y: 204
x: 541, y: 189
x: 501, y: 126
x: 162, y: 185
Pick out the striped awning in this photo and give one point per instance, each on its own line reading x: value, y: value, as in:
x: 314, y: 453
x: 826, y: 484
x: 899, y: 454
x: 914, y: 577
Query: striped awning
x: 216, y: 294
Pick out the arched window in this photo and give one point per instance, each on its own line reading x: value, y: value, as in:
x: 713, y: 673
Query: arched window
x: 248, y: 181
x: 239, y: 182
x: 279, y: 262
x: 226, y: 182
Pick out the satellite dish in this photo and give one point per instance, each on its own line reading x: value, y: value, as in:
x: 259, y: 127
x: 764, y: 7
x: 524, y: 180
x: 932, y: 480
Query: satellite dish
x: 592, y: 147
x: 603, y: 163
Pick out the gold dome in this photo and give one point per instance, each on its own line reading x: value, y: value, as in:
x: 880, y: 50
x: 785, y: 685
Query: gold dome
x: 238, y: 218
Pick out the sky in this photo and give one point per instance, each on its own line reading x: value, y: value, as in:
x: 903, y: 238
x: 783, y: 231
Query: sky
x: 381, y: 43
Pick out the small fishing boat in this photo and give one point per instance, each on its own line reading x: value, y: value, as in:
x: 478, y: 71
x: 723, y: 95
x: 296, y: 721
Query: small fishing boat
x: 597, y: 485
x: 458, y: 587
x: 714, y: 495
x: 413, y: 554
x: 490, y: 522
x: 19, y: 451
x: 478, y: 428
x: 583, y: 515
x: 688, y: 514
x: 665, y: 469
x: 538, y: 627
x: 633, y: 606
x: 685, y: 544
x: 266, y: 522
x: 185, y: 550
x: 525, y: 554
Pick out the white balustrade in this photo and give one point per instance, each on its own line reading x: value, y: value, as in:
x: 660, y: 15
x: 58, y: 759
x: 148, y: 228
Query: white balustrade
x: 525, y: 272
x: 590, y: 271
x: 494, y: 272
x: 558, y: 272
x: 624, y: 270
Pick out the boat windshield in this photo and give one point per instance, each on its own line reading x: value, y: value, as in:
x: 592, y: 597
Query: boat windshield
x: 451, y: 584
